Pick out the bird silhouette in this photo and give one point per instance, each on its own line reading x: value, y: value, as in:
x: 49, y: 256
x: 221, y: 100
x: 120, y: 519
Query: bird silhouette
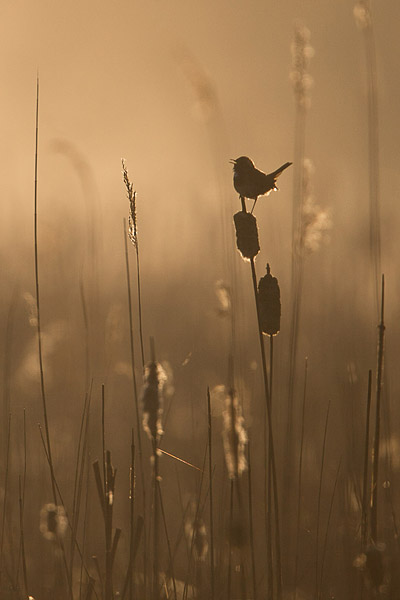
x: 249, y: 182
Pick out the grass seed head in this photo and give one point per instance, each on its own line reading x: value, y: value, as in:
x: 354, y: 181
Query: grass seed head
x: 246, y: 234
x: 269, y: 303
x: 132, y: 220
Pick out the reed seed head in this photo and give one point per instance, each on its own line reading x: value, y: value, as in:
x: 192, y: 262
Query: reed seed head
x: 223, y: 294
x: 234, y: 436
x: 154, y: 379
x: 246, y: 234
x: 269, y: 304
x: 302, y: 52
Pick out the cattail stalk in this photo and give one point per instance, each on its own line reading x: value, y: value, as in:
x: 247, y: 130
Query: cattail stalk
x: 247, y: 244
x: 270, y: 435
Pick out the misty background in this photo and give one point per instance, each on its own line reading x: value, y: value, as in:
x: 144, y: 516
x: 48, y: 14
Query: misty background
x: 178, y: 88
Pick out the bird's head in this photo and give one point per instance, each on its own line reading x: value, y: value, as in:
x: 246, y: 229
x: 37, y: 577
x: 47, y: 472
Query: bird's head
x: 243, y: 163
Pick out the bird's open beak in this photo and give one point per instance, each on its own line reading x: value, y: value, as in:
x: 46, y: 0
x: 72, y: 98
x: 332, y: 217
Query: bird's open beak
x: 232, y: 161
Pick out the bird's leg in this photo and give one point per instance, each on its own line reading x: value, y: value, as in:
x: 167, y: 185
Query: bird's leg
x: 243, y: 201
x: 254, y: 205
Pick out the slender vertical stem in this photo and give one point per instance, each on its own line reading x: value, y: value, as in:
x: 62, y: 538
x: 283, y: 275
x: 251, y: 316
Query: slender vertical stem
x: 136, y: 400
x: 210, y: 477
x: 324, y: 548
x: 39, y: 331
x: 21, y: 487
x: 229, y: 595
x: 300, y: 479
x: 3, y: 520
x: 131, y: 515
x: 170, y: 556
x: 319, y: 503
x: 364, y: 521
x: 375, y: 470
x: 155, y: 523
x: 139, y: 291
x: 251, y: 525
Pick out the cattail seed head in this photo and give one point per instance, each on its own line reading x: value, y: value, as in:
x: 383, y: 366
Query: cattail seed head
x: 234, y: 436
x: 269, y: 303
x: 53, y: 521
x: 154, y: 379
x: 246, y: 234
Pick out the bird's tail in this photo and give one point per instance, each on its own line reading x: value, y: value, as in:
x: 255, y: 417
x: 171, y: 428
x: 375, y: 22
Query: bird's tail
x: 276, y: 173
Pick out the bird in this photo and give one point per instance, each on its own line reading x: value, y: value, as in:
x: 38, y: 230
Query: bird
x: 250, y: 183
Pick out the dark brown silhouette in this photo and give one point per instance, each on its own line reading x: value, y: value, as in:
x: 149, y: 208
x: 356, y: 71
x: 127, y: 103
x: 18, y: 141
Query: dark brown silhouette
x: 249, y: 182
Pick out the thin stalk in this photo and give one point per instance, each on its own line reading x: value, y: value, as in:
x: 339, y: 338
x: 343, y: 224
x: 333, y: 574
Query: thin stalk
x: 210, y: 477
x: 375, y: 470
x: 156, y: 526
x: 21, y: 524
x: 170, y: 556
x: 21, y: 487
x: 139, y: 292
x: 299, y: 485
x: 3, y: 520
x: 365, y: 495
x: 131, y: 515
x: 319, y: 503
x: 327, y: 529
x: 80, y: 457
x: 269, y: 479
x: 229, y: 595
x: 39, y: 330
x: 251, y: 525
x: 136, y: 401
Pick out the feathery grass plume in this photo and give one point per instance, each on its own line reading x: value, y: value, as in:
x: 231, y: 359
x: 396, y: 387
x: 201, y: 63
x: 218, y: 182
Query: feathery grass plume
x: 132, y: 222
x: 196, y: 532
x: 53, y: 521
x: 301, y: 80
x: 223, y: 293
x: 234, y: 436
x: 315, y: 221
x: 154, y: 379
x: 362, y: 14
x: 269, y: 303
x: 246, y: 234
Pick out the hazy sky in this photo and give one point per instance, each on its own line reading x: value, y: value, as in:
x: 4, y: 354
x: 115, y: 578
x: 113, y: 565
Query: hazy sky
x: 116, y: 80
